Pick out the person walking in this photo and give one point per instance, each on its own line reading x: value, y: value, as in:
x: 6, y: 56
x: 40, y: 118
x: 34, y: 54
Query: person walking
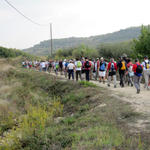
x: 130, y: 72
x: 87, y: 68
x: 102, y: 70
x: 146, y: 71
x: 71, y: 68
x: 111, y: 71
x: 56, y: 66
x: 137, y: 69
x: 61, y: 67
x: 96, y: 68
x: 78, y: 66
x: 122, y: 65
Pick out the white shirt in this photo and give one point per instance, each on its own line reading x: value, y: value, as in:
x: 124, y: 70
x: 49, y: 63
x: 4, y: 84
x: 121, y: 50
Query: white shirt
x: 71, y: 66
x: 144, y: 65
x: 64, y: 64
x: 78, y: 69
x: 43, y: 64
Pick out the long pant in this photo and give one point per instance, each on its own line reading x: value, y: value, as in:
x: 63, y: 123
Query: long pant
x: 65, y: 72
x: 146, y: 77
x: 122, y: 76
x: 96, y: 75
x: 78, y: 74
x: 130, y: 80
x: 91, y: 74
x: 44, y: 69
x: 61, y: 70
x: 114, y: 79
x: 136, y: 81
x: 56, y: 71
x: 70, y: 73
x: 87, y: 76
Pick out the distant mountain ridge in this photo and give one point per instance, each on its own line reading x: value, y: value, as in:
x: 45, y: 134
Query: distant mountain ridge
x: 43, y: 48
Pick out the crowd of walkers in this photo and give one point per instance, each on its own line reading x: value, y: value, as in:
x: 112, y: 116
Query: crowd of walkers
x: 128, y: 72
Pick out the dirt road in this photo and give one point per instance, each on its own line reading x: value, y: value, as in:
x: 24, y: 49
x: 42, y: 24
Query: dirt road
x: 139, y: 102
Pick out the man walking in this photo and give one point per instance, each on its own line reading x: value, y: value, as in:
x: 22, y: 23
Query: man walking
x: 71, y: 68
x: 138, y: 69
x: 78, y: 66
x: 122, y: 65
x: 111, y: 71
x: 146, y: 70
x: 87, y: 67
x: 102, y: 70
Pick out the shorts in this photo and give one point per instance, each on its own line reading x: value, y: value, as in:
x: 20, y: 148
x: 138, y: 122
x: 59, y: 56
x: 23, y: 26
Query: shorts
x: 102, y: 73
x: 112, y: 73
x: 131, y: 74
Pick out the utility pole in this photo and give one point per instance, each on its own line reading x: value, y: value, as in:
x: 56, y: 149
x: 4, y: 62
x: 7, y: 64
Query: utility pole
x: 51, y: 40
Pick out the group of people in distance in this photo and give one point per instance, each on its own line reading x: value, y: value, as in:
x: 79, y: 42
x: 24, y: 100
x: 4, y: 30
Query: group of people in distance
x: 129, y: 73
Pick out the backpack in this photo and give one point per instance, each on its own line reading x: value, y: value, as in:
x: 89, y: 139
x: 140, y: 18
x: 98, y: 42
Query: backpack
x: 87, y: 64
x: 147, y: 65
x: 123, y: 65
x: 139, y: 69
x: 79, y: 64
x: 57, y: 66
x: 112, y: 67
x: 102, y: 66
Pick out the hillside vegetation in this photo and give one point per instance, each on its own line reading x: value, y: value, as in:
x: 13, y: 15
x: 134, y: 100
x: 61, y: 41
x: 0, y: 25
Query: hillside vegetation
x: 43, y: 48
x: 40, y: 111
x: 12, y: 53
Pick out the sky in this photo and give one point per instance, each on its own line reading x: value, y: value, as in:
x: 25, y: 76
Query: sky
x: 69, y: 18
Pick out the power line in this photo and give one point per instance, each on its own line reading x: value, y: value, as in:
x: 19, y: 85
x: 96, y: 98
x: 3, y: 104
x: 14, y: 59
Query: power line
x: 23, y: 14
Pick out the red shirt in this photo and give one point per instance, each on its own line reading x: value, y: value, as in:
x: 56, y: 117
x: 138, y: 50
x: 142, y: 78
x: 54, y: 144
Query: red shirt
x: 129, y: 64
x: 98, y: 64
x: 89, y: 64
x: 135, y: 66
x: 109, y: 66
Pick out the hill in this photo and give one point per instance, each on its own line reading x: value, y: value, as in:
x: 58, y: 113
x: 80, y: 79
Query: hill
x: 43, y: 48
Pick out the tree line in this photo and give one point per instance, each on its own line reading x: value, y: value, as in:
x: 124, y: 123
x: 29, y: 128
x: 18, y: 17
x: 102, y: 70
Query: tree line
x: 136, y: 48
x: 12, y: 53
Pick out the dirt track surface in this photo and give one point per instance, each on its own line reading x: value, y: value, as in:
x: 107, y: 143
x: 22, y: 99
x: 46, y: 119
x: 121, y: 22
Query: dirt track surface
x: 139, y: 102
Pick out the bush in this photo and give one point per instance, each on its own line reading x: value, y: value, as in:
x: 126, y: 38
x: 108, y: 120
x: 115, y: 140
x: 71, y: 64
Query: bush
x: 87, y: 84
x: 31, y: 129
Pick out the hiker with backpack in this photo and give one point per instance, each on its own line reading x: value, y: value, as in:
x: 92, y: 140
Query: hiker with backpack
x: 56, y: 67
x: 78, y: 66
x: 138, y: 69
x: 97, y: 66
x: 130, y: 72
x: 122, y: 65
x: 61, y: 67
x: 91, y: 70
x: 111, y: 72
x: 102, y: 70
x: 87, y: 68
x: 94, y: 69
x: 71, y: 68
x: 146, y: 71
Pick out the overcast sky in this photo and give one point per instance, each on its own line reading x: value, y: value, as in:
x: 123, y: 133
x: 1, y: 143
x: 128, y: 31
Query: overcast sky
x: 78, y: 18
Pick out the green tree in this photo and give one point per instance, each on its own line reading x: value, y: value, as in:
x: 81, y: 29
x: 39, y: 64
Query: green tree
x: 142, y: 44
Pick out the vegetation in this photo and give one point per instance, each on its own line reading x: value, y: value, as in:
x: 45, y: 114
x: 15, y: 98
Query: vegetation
x: 76, y: 52
x: 43, y: 48
x: 116, y: 50
x: 39, y: 111
x: 10, y: 53
x: 142, y: 44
